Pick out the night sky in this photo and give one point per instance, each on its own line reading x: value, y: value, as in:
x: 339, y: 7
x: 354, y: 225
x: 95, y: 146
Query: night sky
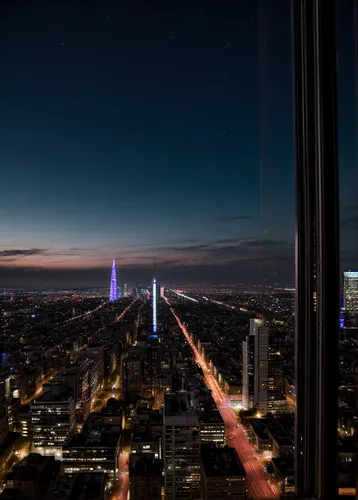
x: 137, y: 129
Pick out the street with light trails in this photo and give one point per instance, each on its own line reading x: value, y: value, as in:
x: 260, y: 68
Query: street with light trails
x: 258, y: 482
x: 120, y: 316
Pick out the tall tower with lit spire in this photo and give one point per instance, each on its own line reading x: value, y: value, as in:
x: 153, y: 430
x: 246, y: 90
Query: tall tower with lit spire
x: 113, y: 292
x: 154, y: 306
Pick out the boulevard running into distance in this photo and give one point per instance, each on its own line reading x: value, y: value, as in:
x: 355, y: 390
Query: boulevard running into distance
x: 120, y: 316
x: 258, y: 482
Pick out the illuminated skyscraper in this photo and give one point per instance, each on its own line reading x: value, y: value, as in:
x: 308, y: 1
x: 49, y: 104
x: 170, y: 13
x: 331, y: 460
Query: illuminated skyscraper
x: 351, y: 291
x: 261, y: 363
x: 248, y: 363
x: 154, y: 305
x: 113, y: 293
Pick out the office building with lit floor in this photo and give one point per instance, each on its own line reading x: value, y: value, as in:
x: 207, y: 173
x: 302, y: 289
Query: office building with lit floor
x: 212, y: 428
x: 261, y: 366
x: 350, y: 291
x: 95, y: 449
x: 53, y: 419
x: 248, y: 364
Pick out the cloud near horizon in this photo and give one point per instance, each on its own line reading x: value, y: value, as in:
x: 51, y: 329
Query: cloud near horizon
x: 20, y: 252
x: 217, y: 252
x: 230, y: 260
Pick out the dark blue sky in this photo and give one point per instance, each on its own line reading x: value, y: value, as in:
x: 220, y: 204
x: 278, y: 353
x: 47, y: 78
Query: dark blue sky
x: 138, y: 129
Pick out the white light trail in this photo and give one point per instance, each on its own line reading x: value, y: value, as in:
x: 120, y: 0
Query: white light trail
x: 184, y: 296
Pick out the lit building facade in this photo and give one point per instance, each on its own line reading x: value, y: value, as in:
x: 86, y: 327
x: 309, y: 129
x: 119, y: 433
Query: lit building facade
x: 248, y: 365
x: 350, y: 291
x: 95, y: 449
x: 212, y: 428
x: 261, y: 366
x: 53, y: 419
x: 84, y: 380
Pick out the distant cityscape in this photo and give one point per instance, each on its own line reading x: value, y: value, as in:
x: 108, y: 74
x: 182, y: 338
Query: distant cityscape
x: 179, y: 252
x: 153, y: 390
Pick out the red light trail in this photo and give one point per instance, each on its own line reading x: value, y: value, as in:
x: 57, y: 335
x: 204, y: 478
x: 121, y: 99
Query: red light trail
x: 122, y: 490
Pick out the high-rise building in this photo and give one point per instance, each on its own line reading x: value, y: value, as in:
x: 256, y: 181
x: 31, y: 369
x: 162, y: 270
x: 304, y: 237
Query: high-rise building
x: 350, y: 291
x: 181, y: 449
x: 248, y: 364
x: 125, y: 290
x: 95, y: 448
x: 261, y: 365
x: 132, y: 373
x: 255, y: 324
x: 152, y: 358
x: 113, y: 292
x: 275, y: 372
x: 83, y: 378
x: 53, y: 418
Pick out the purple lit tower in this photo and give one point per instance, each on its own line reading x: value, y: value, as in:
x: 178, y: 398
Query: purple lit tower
x: 113, y: 293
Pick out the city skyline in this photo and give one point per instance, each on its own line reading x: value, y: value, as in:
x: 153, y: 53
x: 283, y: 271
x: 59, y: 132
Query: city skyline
x: 179, y: 250
x: 143, y: 138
